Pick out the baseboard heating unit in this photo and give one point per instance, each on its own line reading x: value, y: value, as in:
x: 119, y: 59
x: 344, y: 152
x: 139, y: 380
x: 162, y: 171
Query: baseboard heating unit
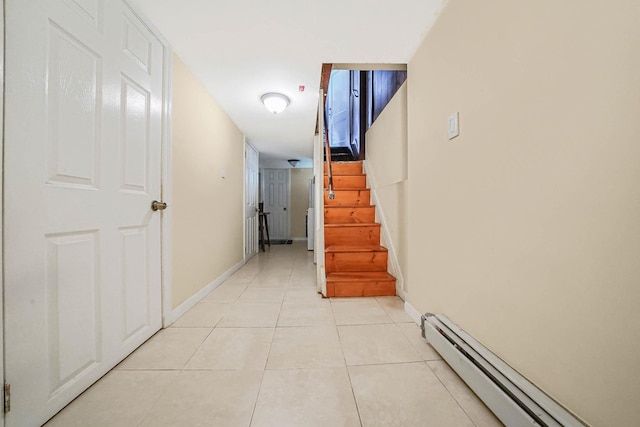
x: 511, y: 397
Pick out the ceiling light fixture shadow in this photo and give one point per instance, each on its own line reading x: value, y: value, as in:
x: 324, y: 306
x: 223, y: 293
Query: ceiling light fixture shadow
x: 275, y: 102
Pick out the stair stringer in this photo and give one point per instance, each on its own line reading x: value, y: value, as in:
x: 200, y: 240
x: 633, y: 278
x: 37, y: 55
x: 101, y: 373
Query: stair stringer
x: 393, y: 266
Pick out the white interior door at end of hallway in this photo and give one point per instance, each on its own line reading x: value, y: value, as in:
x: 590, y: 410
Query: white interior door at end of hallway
x: 276, y: 191
x: 83, y: 140
x: 251, y: 201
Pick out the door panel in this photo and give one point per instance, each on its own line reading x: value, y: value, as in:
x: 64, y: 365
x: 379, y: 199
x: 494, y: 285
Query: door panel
x: 89, y: 10
x: 82, y: 165
x: 72, y: 110
x: 72, y: 305
x: 136, y: 44
x: 135, y: 138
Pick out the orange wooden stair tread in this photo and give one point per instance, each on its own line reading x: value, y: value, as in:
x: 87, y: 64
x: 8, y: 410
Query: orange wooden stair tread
x: 360, y: 284
x: 357, y: 276
x: 353, y: 224
x: 351, y: 196
x: 351, y: 181
x: 359, y: 248
x: 344, y: 168
x: 349, y: 206
x: 337, y: 190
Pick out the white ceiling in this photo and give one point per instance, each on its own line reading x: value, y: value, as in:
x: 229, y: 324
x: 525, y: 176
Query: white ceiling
x: 241, y: 49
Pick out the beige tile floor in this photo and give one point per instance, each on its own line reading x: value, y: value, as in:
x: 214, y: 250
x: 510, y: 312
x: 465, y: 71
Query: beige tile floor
x: 264, y: 349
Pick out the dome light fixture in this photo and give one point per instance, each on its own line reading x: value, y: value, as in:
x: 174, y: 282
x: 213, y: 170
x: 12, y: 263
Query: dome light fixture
x: 293, y: 162
x: 275, y: 102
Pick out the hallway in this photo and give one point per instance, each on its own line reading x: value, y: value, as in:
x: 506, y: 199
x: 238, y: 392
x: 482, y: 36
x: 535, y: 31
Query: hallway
x: 264, y: 349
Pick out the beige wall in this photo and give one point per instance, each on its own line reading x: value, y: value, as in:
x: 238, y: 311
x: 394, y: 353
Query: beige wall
x: 207, y: 209
x: 525, y: 230
x: 299, y: 200
x: 386, y: 153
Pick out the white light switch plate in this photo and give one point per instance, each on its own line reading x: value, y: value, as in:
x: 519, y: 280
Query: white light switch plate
x: 454, y: 129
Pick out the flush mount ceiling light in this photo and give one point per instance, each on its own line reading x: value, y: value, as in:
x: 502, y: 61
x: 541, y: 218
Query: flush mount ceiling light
x: 293, y: 162
x: 275, y: 102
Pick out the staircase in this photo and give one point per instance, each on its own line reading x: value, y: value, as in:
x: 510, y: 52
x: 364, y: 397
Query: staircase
x: 355, y: 263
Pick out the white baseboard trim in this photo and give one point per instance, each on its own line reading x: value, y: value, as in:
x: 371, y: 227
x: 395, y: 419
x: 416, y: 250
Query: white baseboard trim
x: 513, y: 398
x: 412, y: 312
x: 191, y: 302
x: 298, y: 239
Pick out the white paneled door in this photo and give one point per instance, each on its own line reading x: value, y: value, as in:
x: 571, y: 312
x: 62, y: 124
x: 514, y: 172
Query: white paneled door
x: 276, y: 201
x: 83, y: 124
x: 251, y: 201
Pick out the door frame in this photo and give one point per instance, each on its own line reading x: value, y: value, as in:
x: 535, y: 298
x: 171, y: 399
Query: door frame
x: 166, y: 169
x: 1, y: 205
x: 244, y: 197
x: 166, y: 185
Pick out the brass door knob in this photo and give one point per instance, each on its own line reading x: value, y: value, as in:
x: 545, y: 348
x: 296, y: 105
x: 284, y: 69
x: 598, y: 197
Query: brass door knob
x: 158, y: 206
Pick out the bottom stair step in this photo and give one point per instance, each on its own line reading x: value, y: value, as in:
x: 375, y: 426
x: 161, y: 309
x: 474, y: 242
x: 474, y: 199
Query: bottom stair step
x: 360, y: 284
x: 355, y: 258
